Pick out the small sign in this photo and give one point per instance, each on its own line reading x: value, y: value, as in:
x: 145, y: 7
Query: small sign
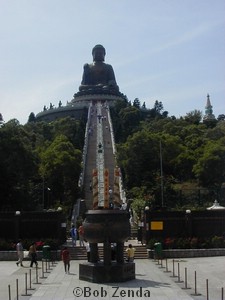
x: 156, y: 225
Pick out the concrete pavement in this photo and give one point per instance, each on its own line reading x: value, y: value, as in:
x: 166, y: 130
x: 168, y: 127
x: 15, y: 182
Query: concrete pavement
x: 154, y: 280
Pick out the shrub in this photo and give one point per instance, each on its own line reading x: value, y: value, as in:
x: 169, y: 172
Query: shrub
x: 151, y: 243
x: 194, y: 243
x: 189, y: 243
x: 182, y: 243
x: 218, y: 242
x: 7, y: 245
x: 169, y: 243
x: 11, y: 246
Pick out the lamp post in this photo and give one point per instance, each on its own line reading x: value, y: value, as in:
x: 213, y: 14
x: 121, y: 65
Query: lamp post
x: 49, y: 190
x: 146, y: 224
x: 188, y: 219
x: 17, y: 224
x: 161, y: 173
x: 44, y: 189
x: 43, y: 193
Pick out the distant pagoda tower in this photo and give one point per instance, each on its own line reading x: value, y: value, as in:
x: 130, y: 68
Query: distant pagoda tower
x: 209, y: 116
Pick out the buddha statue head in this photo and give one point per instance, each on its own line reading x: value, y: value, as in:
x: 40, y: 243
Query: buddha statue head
x: 98, y: 53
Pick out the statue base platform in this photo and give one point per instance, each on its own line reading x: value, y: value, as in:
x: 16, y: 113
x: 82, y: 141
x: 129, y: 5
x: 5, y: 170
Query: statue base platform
x: 100, y: 273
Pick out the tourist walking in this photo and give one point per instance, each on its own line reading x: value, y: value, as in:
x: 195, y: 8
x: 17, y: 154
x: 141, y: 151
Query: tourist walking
x: 66, y: 259
x: 81, y: 235
x: 73, y: 233
x: 33, y: 255
x: 19, y: 250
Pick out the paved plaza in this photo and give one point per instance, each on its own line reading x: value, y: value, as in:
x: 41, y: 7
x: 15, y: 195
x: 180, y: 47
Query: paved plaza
x: 157, y: 280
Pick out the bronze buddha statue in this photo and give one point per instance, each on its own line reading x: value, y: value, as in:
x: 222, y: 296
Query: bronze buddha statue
x: 98, y: 76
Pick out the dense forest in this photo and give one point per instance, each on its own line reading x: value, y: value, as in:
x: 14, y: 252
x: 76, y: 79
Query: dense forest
x: 40, y: 164
x: 170, y: 162
x: 165, y: 161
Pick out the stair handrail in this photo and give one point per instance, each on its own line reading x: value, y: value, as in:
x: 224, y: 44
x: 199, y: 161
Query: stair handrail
x: 76, y: 212
x: 111, y: 132
x: 100, y: 157
x: 122, y: 191
x: 85, y: 147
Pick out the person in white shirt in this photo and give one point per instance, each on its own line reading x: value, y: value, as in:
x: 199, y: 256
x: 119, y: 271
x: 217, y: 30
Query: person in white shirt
x: 19, y: 250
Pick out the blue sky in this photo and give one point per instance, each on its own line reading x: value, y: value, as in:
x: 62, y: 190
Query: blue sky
x: 167, y: 50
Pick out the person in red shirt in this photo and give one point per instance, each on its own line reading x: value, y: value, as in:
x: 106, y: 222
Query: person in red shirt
x: 66, y: 259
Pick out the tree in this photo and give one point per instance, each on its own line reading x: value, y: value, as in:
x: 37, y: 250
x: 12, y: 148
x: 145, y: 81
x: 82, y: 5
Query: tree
x: 183, y: 164
x: 194, y: 117
x: 74, y: 130
x: 221, y: 117
x: 60, y: 167
x: 21, y: 152
x: 139, y: 157
x: 143, y: 105
x: 217, y: 132
x: 138, y: 205
x: 158, y: 107
x: 210, y: 168
x: 32, y: 117
x: 136, y: 103
x: 130, y: 119
x: 18, y: 163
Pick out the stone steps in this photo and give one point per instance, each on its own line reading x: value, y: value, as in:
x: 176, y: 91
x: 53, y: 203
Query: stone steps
x: 133, y: 232
x: 79, y: 253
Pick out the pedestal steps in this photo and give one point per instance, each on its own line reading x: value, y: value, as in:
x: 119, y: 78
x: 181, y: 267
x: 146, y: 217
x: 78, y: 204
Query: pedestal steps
x: 79, y: 253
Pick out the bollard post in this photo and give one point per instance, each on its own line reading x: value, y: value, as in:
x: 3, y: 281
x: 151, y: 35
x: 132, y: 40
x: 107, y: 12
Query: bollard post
x: 9, y: 289
x: 53, y: 259
x: 25, y: 287
x: 222, y: 293
x: 173, y: 269
x: 196, y: 294
x: 207, y: 289
x: 46, y: 266
x: 17, y: 289
x: 49, y: 265
x: 167, y: 270
x: 161, y: 264
x: 30, y: 288
x: 42, y: 269
x: 36, y: 271
x: 178, y: 272
x: 185, y: 280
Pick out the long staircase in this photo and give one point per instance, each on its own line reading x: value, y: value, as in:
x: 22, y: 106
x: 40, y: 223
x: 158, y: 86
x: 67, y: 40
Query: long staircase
x: 96, y: 115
